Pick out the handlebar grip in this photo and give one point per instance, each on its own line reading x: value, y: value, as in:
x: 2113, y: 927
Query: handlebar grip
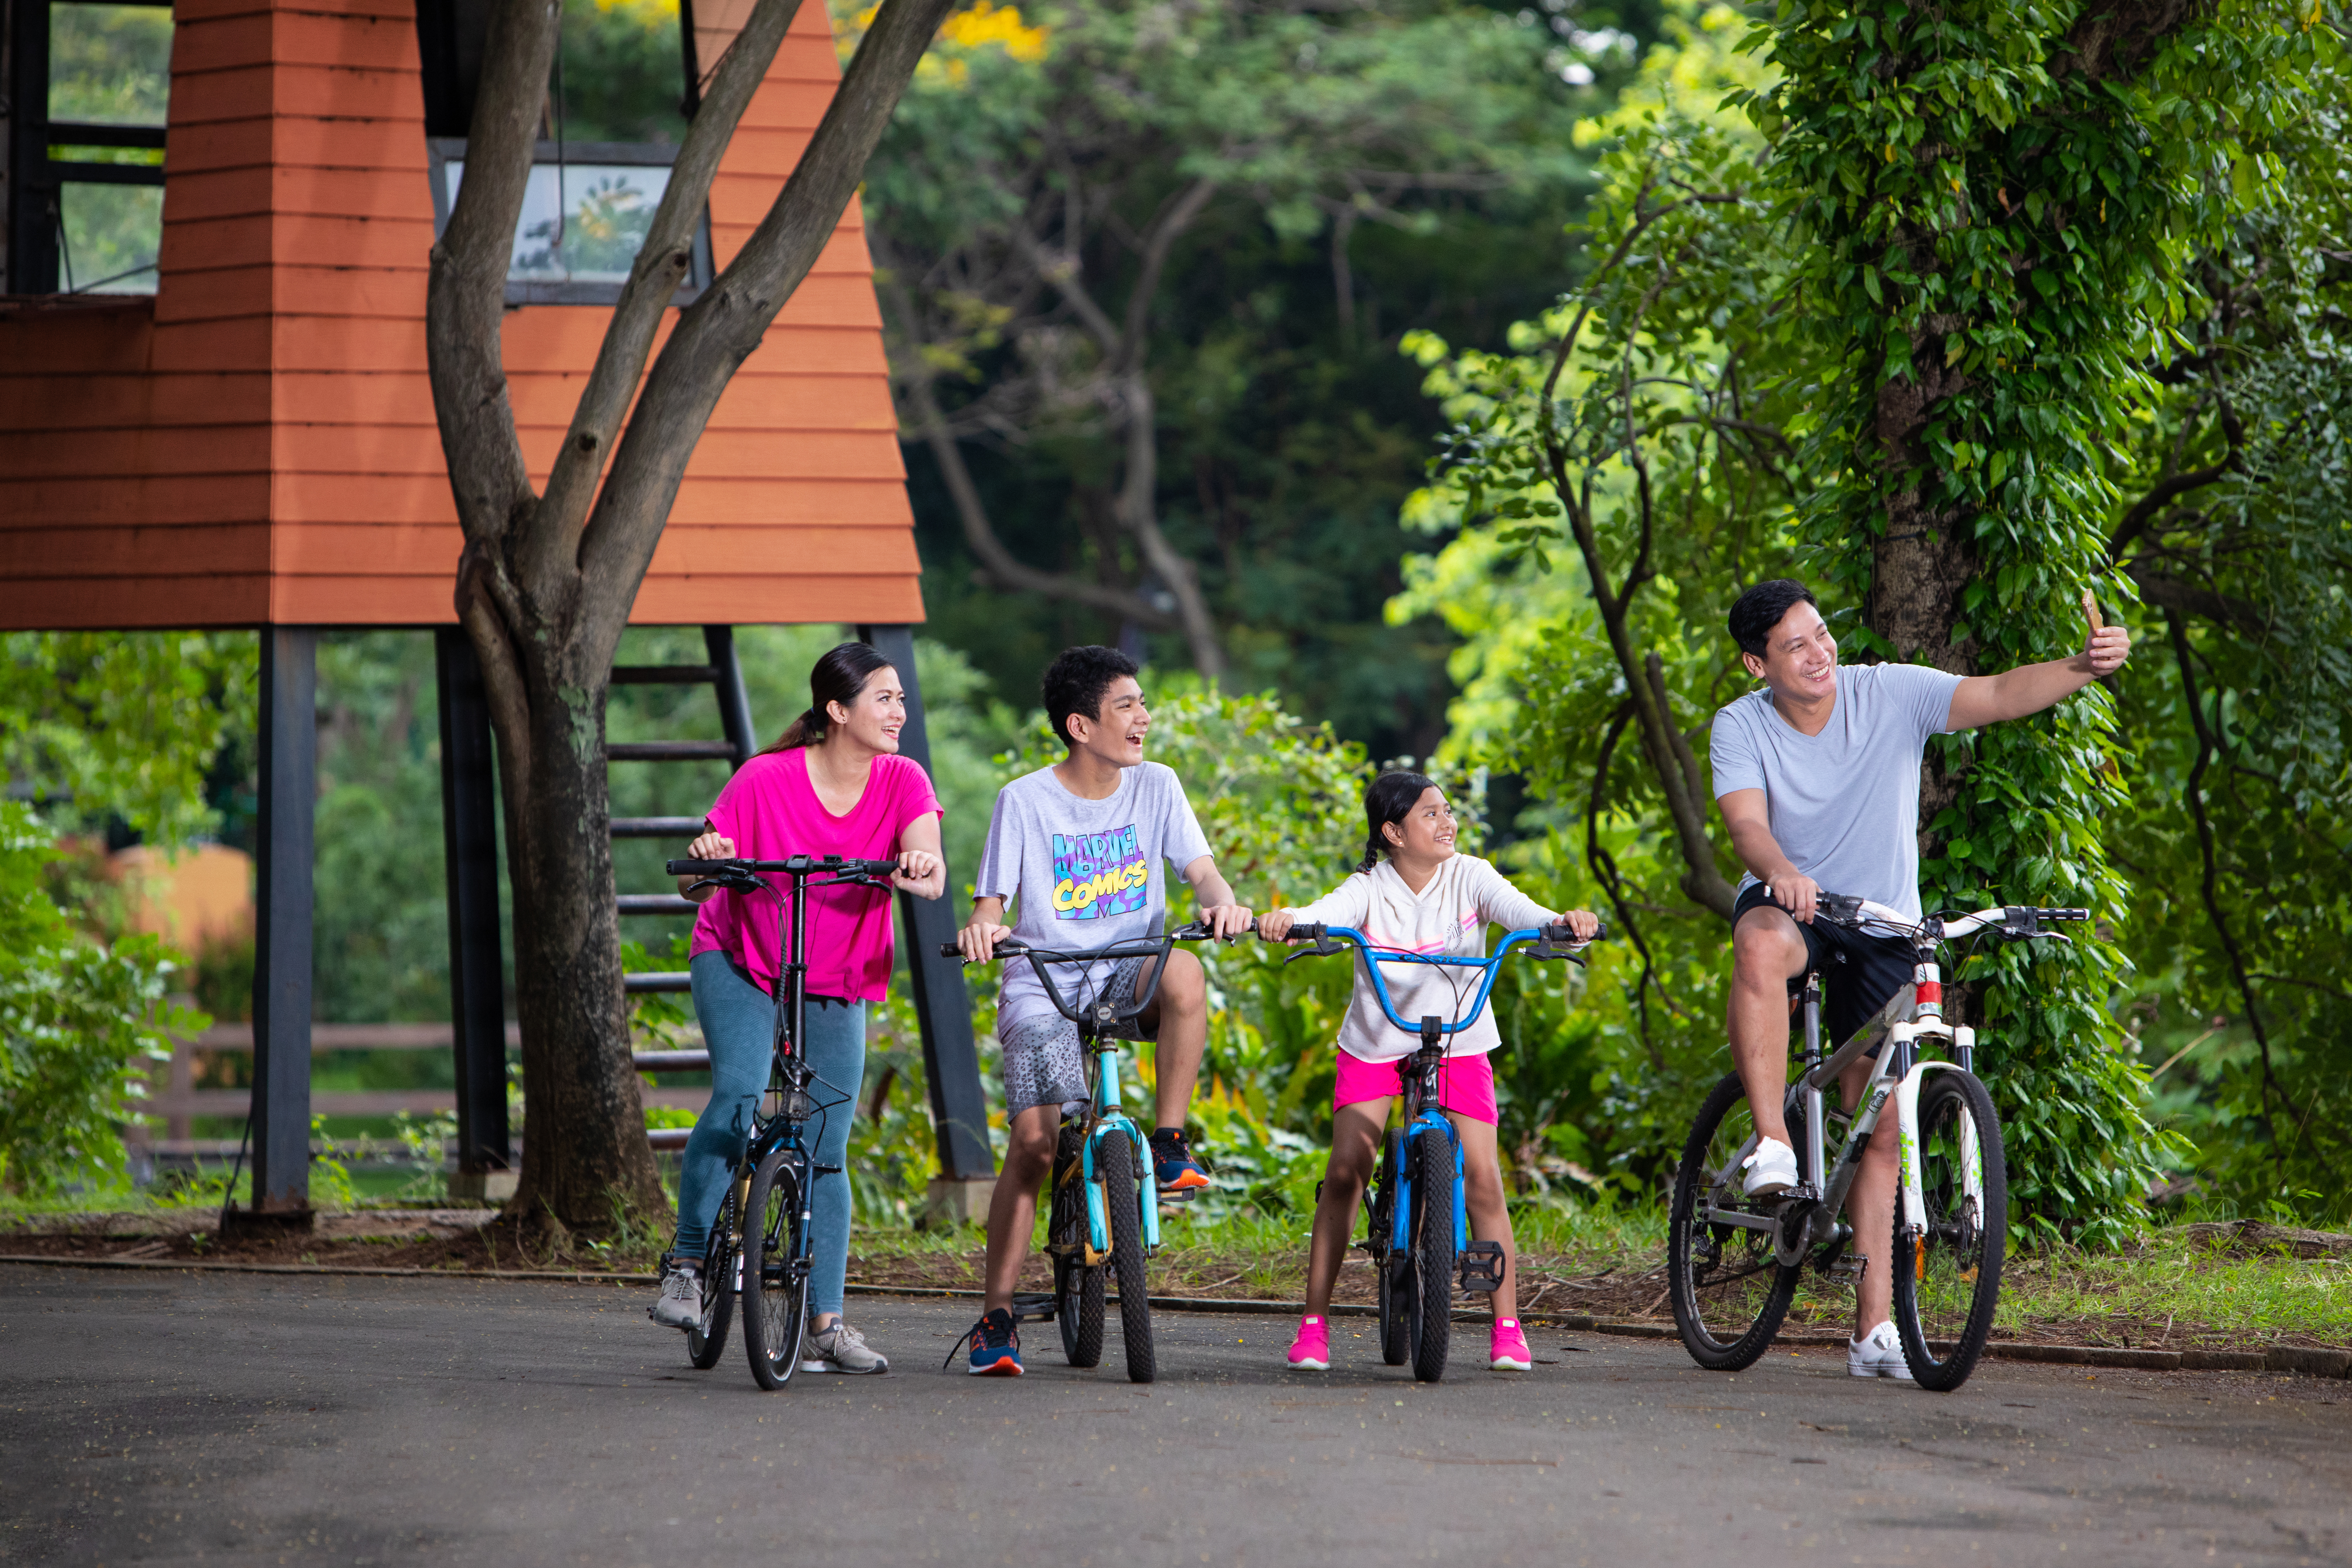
x: 2063, y: 914
x: 1560, y: 931
x: 1005, y: 947
x: 698, y: 868
x: 1306, y: 930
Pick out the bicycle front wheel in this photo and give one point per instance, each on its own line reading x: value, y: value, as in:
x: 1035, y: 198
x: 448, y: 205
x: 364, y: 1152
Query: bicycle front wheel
x: 1115, y: 1163
x: 1729, y: 1293
x: 1948, y: 1281
x: 1432, y: 1239
x: 775, y: 1271
x: 1077, y: 1285
x: 708, y: 1339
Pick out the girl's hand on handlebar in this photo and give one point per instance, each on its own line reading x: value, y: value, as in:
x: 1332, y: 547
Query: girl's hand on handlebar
x: 977, y: 941
x: 1275, y: 924
x: 1583, y: 922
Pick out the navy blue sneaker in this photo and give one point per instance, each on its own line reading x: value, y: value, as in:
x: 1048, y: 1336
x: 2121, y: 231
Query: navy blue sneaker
x: 995, y: 1346
x: 1172, y: 1166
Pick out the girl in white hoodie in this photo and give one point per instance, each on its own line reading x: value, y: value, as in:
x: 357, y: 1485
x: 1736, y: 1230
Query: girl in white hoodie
x: 1414, y: 893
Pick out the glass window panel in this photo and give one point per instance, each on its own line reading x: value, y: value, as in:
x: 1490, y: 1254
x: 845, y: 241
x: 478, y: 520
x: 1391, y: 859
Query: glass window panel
x: 621, y: 72
x: 111, y: 235
x: 110, y: 64
x: 593, y: 233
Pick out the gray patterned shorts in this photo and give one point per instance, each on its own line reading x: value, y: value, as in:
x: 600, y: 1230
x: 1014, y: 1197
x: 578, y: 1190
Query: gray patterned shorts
x: 1042, y: 1064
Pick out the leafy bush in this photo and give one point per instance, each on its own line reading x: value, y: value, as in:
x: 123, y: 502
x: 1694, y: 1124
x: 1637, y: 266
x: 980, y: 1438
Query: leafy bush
x: 79, y: 1022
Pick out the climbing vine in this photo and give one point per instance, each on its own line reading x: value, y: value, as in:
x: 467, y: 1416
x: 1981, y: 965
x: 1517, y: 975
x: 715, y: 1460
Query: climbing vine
x: 1997, y: 206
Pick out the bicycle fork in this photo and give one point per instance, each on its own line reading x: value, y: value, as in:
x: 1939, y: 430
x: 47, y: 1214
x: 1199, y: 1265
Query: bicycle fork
x: 1108, y: 1119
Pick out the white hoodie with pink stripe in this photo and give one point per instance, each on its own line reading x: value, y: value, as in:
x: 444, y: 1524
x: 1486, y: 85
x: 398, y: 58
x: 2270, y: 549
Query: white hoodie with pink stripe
x: 1449, y: 916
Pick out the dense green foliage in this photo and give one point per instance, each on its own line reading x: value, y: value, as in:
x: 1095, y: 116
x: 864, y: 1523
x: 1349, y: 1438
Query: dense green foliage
x: 1149, y: 265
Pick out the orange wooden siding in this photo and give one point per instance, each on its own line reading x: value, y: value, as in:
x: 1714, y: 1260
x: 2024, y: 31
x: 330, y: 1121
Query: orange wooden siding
x: 256, y: 442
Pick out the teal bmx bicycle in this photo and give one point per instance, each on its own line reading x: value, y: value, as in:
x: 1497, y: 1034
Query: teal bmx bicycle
x: 1104, y: 1220
x: 1418, y: 1229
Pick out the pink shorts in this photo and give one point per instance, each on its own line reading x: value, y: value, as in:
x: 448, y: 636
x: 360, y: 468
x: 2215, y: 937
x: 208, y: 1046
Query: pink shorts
x: 1465, y: 1085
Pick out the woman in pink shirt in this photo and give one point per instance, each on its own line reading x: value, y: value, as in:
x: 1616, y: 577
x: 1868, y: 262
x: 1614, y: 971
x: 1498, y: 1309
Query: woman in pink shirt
x: 834, y: 784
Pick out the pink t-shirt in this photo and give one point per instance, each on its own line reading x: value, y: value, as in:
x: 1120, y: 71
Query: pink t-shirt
x: 770, y: 810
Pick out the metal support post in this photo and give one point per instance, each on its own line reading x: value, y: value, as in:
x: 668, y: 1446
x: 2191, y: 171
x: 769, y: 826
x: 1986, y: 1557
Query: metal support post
x: 942, y: 1004
x: 734, y: 702
x: 281, y: 963
x: 470, y: 807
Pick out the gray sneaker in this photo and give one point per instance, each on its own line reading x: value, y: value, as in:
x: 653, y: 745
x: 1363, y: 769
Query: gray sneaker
x: 841, y: 1349
x: 679, y: 1305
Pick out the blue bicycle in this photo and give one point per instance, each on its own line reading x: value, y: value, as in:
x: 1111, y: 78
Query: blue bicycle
x: 1105, y: 1217
x: 1418, y: 1257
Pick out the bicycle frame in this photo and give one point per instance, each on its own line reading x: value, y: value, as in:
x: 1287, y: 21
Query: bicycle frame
x: 1105, y: 1112
x: 1421, y: 1085
x: 1810, y: 1217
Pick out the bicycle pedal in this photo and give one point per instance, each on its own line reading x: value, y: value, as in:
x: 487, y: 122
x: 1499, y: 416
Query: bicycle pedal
x: 1034, y: 1306
x: 1848, y: 1266
x: 1480, y: 1267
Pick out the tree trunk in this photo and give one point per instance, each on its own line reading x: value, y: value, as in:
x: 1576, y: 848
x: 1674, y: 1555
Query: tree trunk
x: 545, y: 584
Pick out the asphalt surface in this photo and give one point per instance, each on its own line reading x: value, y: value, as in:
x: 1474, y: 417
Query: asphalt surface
x: 181, y: 1417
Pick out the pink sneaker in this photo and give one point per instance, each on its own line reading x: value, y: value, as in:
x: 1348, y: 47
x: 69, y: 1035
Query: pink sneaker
x: 1510, y: 1352
x: 1311, y: 1350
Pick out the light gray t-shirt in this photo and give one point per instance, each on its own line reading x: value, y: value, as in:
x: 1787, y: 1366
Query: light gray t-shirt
x: 1083, y: 873
x: 1844, y: 804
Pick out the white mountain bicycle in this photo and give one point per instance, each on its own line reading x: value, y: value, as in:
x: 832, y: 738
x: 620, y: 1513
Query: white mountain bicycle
x: 1734, y: 1262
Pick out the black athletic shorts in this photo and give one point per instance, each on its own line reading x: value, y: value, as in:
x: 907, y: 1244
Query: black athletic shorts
x: 1859, y: 971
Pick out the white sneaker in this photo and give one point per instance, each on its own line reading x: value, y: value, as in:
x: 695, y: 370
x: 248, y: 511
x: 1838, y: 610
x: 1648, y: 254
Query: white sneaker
x: 679, y: 1305
x: 1878, y: 1354
x: 841, y: 1349
x: 1771, y: 1170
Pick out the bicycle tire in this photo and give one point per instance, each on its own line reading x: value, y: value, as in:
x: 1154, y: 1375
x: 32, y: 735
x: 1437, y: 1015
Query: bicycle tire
x: 1114, y: 1167
x: 1947, y: 1283
x: 1432, y: 1246
x: 1395, y: 1285
x: 1079, y: 1292
x: 1727, y: 1313
x: 705, y: 1345
x: 775, y: 1290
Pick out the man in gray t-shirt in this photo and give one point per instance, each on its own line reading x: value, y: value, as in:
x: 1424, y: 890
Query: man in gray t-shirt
x: 1818, y: 778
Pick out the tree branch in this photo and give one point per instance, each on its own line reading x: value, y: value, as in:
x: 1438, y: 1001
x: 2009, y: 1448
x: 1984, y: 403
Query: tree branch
x: 661, y: 265
x: 719, y: 330
x: 466, y: 287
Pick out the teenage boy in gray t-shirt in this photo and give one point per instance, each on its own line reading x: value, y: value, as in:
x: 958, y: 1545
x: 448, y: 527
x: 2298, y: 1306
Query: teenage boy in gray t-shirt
x: 1081, y: 850
x: 1818, y: 778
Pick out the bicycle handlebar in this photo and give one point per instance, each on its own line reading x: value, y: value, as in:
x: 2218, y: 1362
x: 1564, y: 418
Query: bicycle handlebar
x: 791, y: 866
x: 2013, y: 921
x: 1134, y: 947
x: 1557, y: 940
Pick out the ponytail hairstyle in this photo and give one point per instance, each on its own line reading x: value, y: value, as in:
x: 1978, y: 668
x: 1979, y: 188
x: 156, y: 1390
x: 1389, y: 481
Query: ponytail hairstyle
x: 838, y: 677
x: 1389, y: 799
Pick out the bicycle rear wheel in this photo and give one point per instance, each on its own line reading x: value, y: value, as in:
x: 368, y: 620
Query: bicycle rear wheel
x: 1433, y: 1246
x: 1392, y: 1271
x: 1729, y: 1293
x: 1948, y: 1282
x: 708, y: 1339
x: 775, y: 1273
x: 1078, y: 1286
x: 1115, y: 1163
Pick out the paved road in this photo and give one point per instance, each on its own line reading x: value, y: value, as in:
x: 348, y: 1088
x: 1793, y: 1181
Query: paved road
x: 181, y: 1417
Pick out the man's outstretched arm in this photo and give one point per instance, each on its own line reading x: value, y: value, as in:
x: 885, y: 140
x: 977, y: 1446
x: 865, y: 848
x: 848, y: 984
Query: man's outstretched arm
x: 2030, y: 688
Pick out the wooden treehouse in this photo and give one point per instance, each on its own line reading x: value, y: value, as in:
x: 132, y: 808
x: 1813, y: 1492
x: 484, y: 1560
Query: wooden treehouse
x: 222, y: 418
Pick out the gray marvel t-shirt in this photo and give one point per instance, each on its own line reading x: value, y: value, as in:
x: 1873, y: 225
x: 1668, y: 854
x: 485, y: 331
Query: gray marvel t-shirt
x: 1082, y: 873
x: 1844, y: 804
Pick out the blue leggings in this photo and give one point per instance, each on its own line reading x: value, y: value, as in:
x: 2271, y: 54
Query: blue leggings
x: 739, y: 1023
